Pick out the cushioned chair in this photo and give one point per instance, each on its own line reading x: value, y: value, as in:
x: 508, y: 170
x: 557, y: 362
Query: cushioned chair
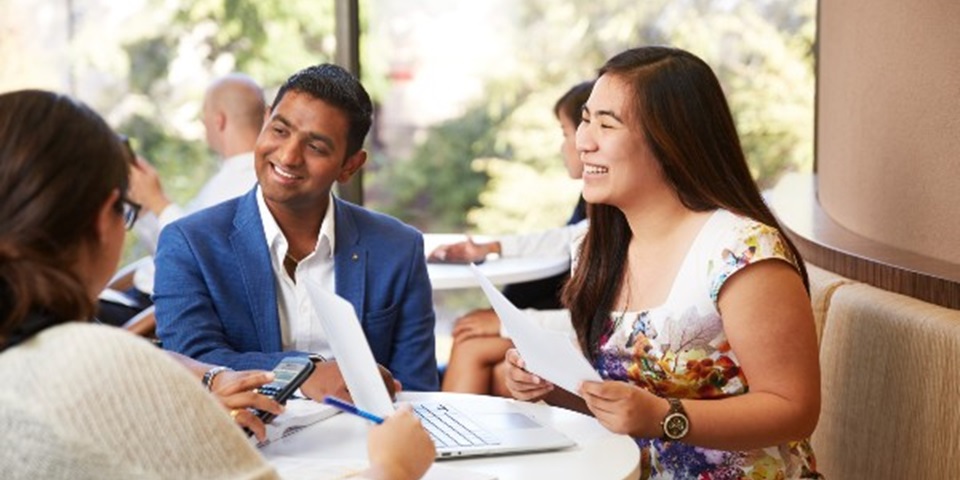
x: 891, y: 386
x: 122, y: 280
x: 822, y: 286
x: 123, y: 309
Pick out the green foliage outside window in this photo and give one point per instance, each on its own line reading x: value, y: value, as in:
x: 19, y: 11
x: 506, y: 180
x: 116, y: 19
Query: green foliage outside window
x: 494, y: 168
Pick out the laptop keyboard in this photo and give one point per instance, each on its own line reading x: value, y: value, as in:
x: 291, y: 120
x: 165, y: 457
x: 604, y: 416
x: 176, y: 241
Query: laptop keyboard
x: 449, y: 428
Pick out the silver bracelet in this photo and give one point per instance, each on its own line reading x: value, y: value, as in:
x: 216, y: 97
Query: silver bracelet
x: 209, y: 375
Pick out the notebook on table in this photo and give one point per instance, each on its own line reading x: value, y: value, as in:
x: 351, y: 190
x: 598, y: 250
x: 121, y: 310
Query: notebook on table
x: 460, y: 426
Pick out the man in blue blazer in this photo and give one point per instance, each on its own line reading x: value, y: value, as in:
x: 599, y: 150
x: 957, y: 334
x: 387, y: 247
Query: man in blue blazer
x: 229, y: 287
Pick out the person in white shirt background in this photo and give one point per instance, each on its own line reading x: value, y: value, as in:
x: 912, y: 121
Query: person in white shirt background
x: 479, y: 344
x: 233, y: 114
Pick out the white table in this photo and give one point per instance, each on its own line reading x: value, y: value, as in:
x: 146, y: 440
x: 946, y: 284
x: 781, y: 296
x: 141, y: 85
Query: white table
x: 599, y: 454
x: 500, y: 271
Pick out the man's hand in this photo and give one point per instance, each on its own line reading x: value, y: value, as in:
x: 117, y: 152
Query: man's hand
x: 326, y: 379
x: 393, y: 385
x: 145, y: 187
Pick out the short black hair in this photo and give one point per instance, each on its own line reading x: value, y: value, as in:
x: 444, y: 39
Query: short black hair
x: 571, y: 103
x: 336, y: 86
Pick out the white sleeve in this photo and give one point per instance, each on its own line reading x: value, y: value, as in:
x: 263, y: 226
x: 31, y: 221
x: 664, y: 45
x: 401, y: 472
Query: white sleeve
x: 171, y: 214
x: 147, y: 229
x: 552, y: 242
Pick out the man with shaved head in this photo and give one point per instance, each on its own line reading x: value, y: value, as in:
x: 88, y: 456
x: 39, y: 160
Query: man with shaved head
x: 233, y: 113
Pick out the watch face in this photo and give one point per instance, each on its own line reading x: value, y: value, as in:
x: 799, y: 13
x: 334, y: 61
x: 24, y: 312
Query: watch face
x: 676, y: 426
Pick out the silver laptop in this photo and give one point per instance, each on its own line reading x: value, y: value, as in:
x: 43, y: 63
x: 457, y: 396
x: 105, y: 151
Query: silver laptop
x: 461, y: 426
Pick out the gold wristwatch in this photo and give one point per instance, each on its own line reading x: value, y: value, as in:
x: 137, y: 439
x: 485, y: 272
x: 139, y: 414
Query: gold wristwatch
x: 676, y: 424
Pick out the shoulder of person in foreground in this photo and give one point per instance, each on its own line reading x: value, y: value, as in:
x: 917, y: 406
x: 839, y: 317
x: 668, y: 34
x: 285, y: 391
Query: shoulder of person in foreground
x: 115, y: 392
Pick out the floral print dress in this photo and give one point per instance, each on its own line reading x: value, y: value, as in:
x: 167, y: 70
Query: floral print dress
x: 679, y: 349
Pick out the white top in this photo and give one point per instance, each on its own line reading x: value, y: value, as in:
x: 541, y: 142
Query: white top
x: 235, y: 177
x: 84, y: 401
x: 545, y: 243
x: 300, y: 329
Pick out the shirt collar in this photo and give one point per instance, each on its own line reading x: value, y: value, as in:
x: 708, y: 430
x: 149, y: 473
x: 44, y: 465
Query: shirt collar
x: 278, y: 244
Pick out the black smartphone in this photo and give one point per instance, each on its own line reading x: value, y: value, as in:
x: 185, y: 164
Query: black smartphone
x: 290, y: 373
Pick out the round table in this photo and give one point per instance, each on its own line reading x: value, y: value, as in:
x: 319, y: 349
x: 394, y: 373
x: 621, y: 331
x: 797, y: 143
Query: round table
x: 500, y: 271
x: 599, y: 453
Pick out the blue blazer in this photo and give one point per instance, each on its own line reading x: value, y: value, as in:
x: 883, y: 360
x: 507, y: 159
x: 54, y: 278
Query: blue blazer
x: 216, y: 298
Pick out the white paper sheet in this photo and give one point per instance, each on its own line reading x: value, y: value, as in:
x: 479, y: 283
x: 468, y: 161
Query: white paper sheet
x: 357, y: 365
x: 548, y: 354
x: 297, y: 415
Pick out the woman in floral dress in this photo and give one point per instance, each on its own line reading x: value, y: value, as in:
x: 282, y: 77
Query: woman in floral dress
x: 686, y: 297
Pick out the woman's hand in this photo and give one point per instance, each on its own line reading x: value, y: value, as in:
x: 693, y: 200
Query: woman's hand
x: 623, y: 408
x: 237, y: 392
x: 399, y: 449
x: 478, y: 323
x: 522, y: 384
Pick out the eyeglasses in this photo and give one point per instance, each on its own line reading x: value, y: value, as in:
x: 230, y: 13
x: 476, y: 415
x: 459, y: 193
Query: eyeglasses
x: 131, y: 210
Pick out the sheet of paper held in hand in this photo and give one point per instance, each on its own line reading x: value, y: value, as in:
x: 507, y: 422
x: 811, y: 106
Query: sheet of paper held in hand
x: 547, y: 353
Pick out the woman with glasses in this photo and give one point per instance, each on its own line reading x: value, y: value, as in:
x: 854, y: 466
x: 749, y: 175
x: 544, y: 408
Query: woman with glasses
x: 82, y: 400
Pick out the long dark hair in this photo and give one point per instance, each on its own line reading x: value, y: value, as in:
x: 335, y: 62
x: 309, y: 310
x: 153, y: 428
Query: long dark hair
x: 680, y: 107
x: 59, y: 161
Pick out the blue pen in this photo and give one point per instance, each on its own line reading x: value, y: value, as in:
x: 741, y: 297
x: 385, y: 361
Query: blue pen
x: 350, y: 408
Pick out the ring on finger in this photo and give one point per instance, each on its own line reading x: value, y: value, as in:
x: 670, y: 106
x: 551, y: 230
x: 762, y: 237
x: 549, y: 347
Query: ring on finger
x: 235, y: 412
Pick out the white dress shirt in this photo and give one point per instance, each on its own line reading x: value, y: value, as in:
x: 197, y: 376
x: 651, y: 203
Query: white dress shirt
x: 550, y: 242
x: 300, y: 328
x: 235, y: 177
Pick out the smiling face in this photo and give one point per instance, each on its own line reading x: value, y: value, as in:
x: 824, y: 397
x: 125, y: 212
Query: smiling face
x: 301, y: 152
x: 618, y: 166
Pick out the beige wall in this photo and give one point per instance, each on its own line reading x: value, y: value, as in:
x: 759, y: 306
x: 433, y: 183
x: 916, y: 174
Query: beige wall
x: 888, y: 121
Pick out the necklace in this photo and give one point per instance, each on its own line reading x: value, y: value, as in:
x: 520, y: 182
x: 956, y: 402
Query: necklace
x: 294, y: 261
x: 618, y: 317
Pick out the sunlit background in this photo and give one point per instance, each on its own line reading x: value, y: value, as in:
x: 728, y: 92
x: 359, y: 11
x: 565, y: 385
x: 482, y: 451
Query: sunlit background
x: 464, y: 137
